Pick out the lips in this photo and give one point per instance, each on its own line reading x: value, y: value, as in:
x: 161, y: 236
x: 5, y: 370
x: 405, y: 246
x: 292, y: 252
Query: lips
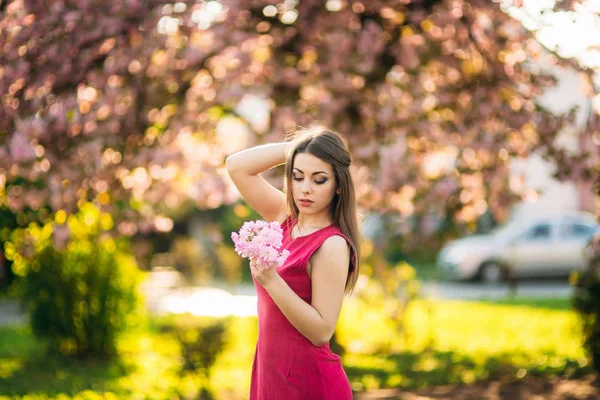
x: 305, y: 202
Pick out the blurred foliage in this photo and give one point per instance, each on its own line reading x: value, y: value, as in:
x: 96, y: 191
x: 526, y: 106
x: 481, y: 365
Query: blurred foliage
x: 77, y: 282
x: 191, y: 260
x: 9, y: 221
x: 386, y: 287
x: 586, y: 301
x: 504, y: 342
x: 391, y: 296
x: 203, y: 250
x: 200, y: 245
x: 230, y: 218
x: 231, y: 265
x: 200, y: 342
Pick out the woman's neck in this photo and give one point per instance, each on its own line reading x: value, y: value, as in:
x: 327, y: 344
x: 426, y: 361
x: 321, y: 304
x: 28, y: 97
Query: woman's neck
x: 313, y: 221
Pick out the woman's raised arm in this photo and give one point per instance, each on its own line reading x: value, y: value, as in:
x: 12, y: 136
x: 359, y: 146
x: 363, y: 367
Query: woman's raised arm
x: 244, y: 168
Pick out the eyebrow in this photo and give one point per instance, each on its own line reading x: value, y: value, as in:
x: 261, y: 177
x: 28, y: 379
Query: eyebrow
x: 314, y: 173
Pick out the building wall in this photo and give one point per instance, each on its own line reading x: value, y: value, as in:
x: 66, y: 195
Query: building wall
x: 533, y: 176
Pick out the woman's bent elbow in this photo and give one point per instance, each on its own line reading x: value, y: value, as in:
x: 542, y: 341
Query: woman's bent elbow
x: 321, y: 341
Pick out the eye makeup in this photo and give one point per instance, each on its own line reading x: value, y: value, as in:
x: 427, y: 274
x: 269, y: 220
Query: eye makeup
x: 318, y: 182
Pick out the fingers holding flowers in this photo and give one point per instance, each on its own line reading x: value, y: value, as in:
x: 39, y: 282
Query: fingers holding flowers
x: 263, y: 273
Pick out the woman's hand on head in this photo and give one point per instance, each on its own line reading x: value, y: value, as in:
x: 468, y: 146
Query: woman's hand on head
x: 263, y: 275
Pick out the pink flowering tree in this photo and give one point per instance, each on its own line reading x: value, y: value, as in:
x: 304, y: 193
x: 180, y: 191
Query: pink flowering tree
x: 118, y: 103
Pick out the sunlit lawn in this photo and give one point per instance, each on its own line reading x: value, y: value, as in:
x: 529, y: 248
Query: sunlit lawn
x: 147, y: 370
x: 444, y: 342
x: 467, y: 341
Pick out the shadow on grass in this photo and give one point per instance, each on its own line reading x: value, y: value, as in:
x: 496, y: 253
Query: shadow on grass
x: 529, y: 387
x: 417, y: 370
x: 149, y: 367
x: 34, y: 371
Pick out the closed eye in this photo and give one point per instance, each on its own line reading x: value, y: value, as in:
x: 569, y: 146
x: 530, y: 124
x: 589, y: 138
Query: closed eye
x: 299, y: 179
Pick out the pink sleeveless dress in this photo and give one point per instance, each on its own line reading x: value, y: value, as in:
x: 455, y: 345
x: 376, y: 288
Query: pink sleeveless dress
x: 287, y: 366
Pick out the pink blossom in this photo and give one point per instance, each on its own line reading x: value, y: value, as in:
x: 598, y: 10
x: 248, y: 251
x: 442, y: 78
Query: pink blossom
x: 260, y: 241
x: 20, y: 149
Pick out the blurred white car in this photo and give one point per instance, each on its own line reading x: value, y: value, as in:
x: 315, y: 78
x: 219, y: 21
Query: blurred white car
x: 550, y: 245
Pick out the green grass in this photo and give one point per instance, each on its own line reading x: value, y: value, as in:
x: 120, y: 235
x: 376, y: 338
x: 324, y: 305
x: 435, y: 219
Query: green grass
x: 36, y: 376
x: 441, y: 342
x: 147, y: 369
x: 445, y: 342
x: 547, y: 303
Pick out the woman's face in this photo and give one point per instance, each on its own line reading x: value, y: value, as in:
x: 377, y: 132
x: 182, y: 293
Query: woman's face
x: 313, y: 184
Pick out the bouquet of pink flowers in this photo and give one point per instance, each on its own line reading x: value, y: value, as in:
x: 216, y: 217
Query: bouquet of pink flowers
x: 260, y: 241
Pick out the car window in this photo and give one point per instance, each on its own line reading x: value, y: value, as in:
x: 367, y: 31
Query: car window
x: 575, y: 230
x: 539, y: 232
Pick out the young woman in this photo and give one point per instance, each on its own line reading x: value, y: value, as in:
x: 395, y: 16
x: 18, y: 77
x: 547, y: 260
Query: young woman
x: 299, y: 303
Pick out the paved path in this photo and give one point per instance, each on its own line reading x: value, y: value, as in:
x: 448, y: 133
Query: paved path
x: 478, y: 291
x: 10, y: 313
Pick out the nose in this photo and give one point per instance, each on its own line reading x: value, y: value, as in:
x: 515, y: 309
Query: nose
x: 305, y: 187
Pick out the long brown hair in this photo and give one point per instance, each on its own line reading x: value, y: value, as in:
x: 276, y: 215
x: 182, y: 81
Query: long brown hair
x: 332, y: 148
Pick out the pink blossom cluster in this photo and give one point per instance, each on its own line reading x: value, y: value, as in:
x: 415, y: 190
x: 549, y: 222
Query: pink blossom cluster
x: 260, y: 241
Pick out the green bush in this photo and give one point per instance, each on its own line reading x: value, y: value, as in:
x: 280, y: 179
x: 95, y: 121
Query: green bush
x: 200, y: 342
x: 78, y: 283
x: 586, y: 301
x: 8, y: 222
x: 386, y: 289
